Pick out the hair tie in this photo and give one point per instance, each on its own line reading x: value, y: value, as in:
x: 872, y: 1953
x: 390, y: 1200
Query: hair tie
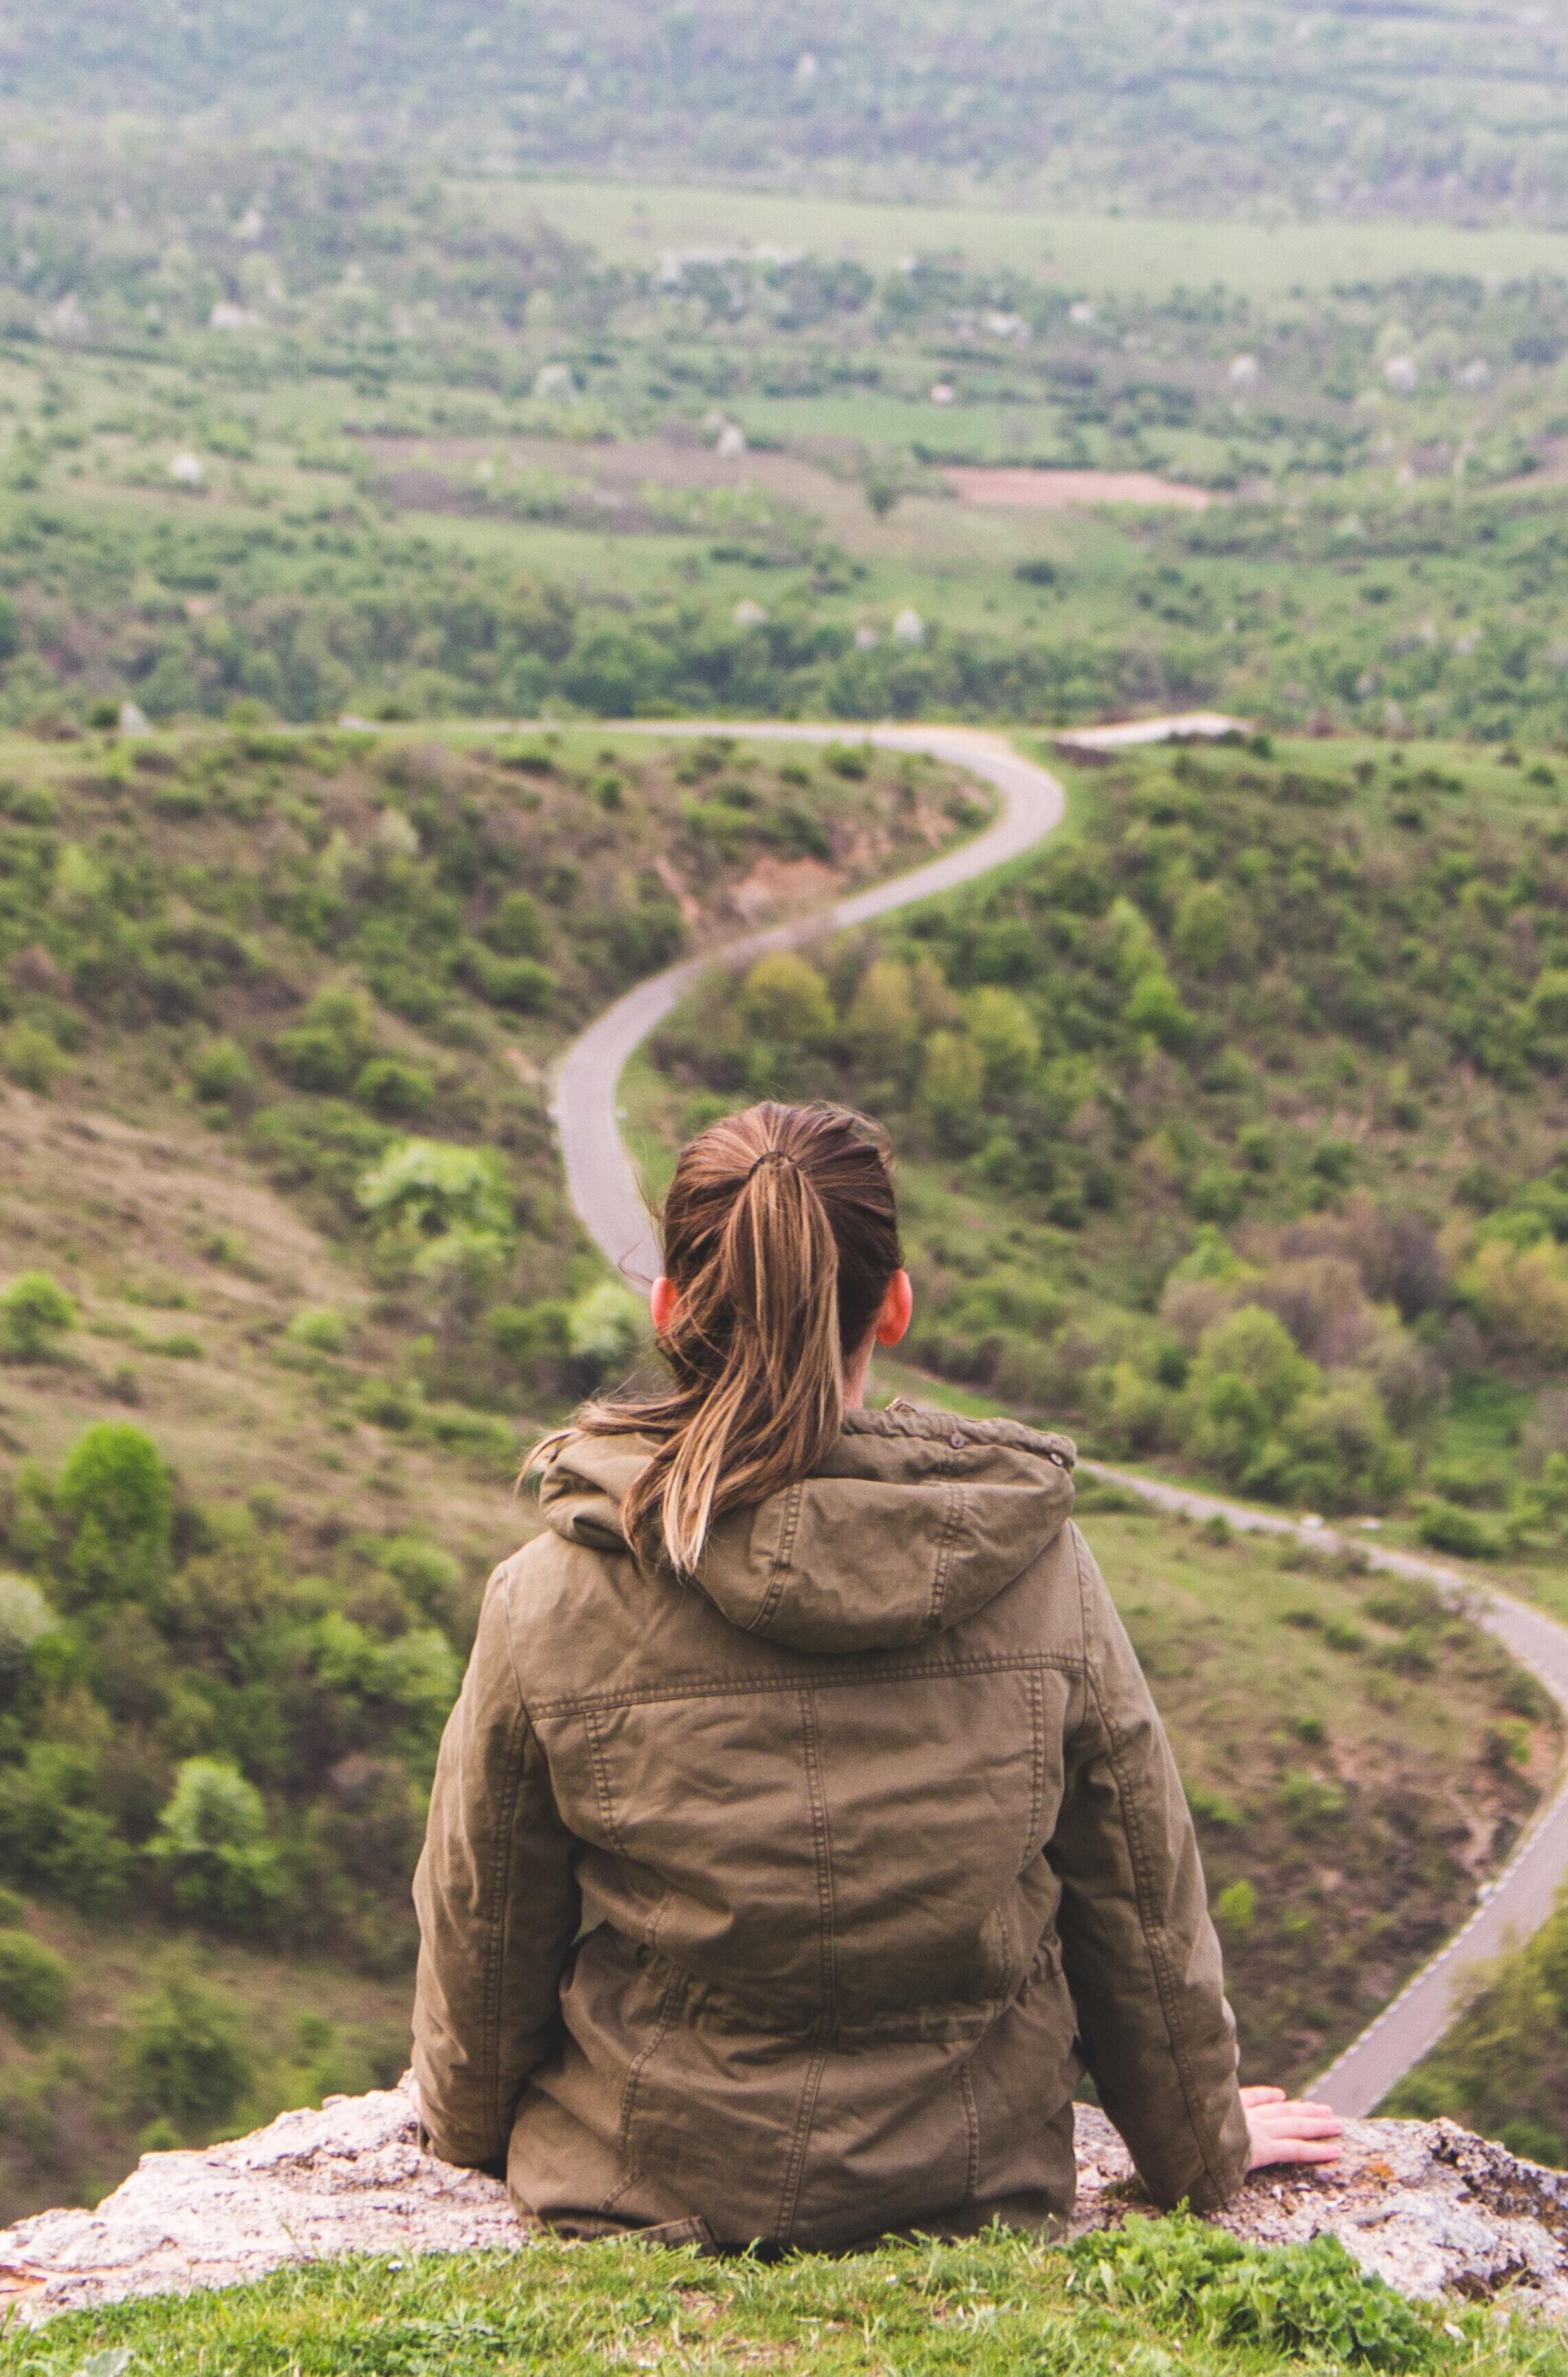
x: 771, y: 1156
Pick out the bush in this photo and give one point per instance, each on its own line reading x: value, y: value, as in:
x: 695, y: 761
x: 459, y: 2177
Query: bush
x: 322, y: 1332
x: 31, y: 1058
x: 394, y: 1088
x: 117, y: 1489
x: 34, y: 1982
x: 213, y: 1838
x: 186, y: 2058
x: 521, y: 984
x: 1236, y: 1908
x: 517, y: 929
x: 35, y: 1312
x: 220, y: 1072
x: 1448, y: 1528
x: 329, y: 1045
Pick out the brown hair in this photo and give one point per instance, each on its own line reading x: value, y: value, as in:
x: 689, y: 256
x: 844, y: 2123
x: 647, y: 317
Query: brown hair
x: 781, y: 1234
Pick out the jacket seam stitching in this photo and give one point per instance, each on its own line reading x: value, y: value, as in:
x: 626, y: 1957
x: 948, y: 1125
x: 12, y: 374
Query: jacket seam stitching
x: 633, y: 2078
x: 739, y: 1687
x: 591, y: 1715
x: 1037, y: 1779
x: 794, y: 2165
x: 957, y: 1511
x: 784, y: 1559
x: 1153, y: 1941
x: 823, y: 1853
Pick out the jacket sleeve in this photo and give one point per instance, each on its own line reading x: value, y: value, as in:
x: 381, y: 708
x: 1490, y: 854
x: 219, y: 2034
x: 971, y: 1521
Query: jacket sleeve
x: 1140, y: 1953
x: 496, y: 1896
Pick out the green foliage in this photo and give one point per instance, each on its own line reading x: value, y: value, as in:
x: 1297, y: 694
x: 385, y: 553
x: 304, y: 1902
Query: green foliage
x: 35, y: 1983
x: 186, y: 2058
x: 330, y: 1046
x: 785, y: 999
x: 1298, y: 2300
x: 517, y: 929
x: 35, y: 1313
x: 1235, y: 1908
x: 438, y: 1202
x: 323, y: 1331
x: 211, y: 1838
x: 115, y: 1489
x: 221, y: 1072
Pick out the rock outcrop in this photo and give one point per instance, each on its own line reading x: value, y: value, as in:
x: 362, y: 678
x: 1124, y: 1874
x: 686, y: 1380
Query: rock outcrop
x: 1429, y: 2206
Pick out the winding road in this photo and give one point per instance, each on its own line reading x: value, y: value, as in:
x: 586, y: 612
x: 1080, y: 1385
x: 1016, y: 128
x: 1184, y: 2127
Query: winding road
x: 604, y: 1189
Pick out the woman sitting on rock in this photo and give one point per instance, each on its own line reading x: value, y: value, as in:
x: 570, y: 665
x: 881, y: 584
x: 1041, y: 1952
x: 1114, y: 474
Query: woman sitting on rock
x: 805, y: 1828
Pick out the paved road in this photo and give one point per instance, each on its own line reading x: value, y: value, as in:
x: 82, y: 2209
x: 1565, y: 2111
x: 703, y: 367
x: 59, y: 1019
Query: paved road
x: 600, y: 1174
x: 1519, y: 1899
x: 605, y: 1190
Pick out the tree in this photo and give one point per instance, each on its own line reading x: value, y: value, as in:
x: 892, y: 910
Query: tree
x: 212, y: 1837
x: 785, y: 999
x: 117, y: 1489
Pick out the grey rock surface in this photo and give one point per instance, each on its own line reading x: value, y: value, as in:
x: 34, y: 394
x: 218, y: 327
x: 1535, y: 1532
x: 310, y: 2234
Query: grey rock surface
x: 1429, y: 2207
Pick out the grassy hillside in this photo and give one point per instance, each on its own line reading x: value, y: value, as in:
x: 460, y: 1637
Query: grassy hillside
x: 1232, y: 1125
x: 287, y: 1281
x: 1175, y: 2294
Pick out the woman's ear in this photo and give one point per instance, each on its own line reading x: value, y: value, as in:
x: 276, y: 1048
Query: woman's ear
x: 896, y: 1310
x: 664, y: 1299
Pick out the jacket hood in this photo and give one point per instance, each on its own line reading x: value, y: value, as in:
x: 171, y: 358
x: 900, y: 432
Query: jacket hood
x: 915, y: 1521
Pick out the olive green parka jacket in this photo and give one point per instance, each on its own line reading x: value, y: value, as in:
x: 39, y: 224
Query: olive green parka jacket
x: 790, y: 1904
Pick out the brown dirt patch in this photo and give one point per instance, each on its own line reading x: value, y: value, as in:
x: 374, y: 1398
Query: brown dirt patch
x: 1053, y: 491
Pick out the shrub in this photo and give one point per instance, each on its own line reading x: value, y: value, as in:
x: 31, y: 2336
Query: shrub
x: 51, y: 1838
x: 1448, y: 1528
x: 34, y: 1982
x: 521, y: 984
x: 329, y: 1045
x: 517, y: 929
x: 439, y: 1199
x: 1520, y: 1296
x: 1236, y: 1908
x: 394, y: 1088
x: 220, y: 1072
x: 186, y: 2060
x: 35, y: 1312
x: 212, y: 1837
x: 531, y: 1335
x: 117, y: 1489
x: 322, y: 1332
x: 31, y: 1058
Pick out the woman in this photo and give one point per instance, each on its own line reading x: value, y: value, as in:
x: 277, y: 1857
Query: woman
x: 805, y: 1828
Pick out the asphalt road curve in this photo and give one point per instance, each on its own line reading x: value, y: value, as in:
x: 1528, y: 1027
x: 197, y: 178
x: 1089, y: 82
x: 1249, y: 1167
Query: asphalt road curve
x: 1509, y: 1907
x: 606, y: 1191
x: 600, y: 1174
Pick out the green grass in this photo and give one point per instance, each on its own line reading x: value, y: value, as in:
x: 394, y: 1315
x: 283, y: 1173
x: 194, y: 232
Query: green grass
x: 1147, y: 2300
x: 638, y: 221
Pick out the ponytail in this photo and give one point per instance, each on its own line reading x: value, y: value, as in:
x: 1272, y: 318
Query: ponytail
x: 781, y: 1236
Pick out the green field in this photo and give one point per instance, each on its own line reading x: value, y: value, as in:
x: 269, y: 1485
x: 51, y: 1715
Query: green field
x: 1133, y: 256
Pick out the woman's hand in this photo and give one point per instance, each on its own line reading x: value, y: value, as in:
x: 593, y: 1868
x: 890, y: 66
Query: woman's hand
x: 1282, y: 2131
